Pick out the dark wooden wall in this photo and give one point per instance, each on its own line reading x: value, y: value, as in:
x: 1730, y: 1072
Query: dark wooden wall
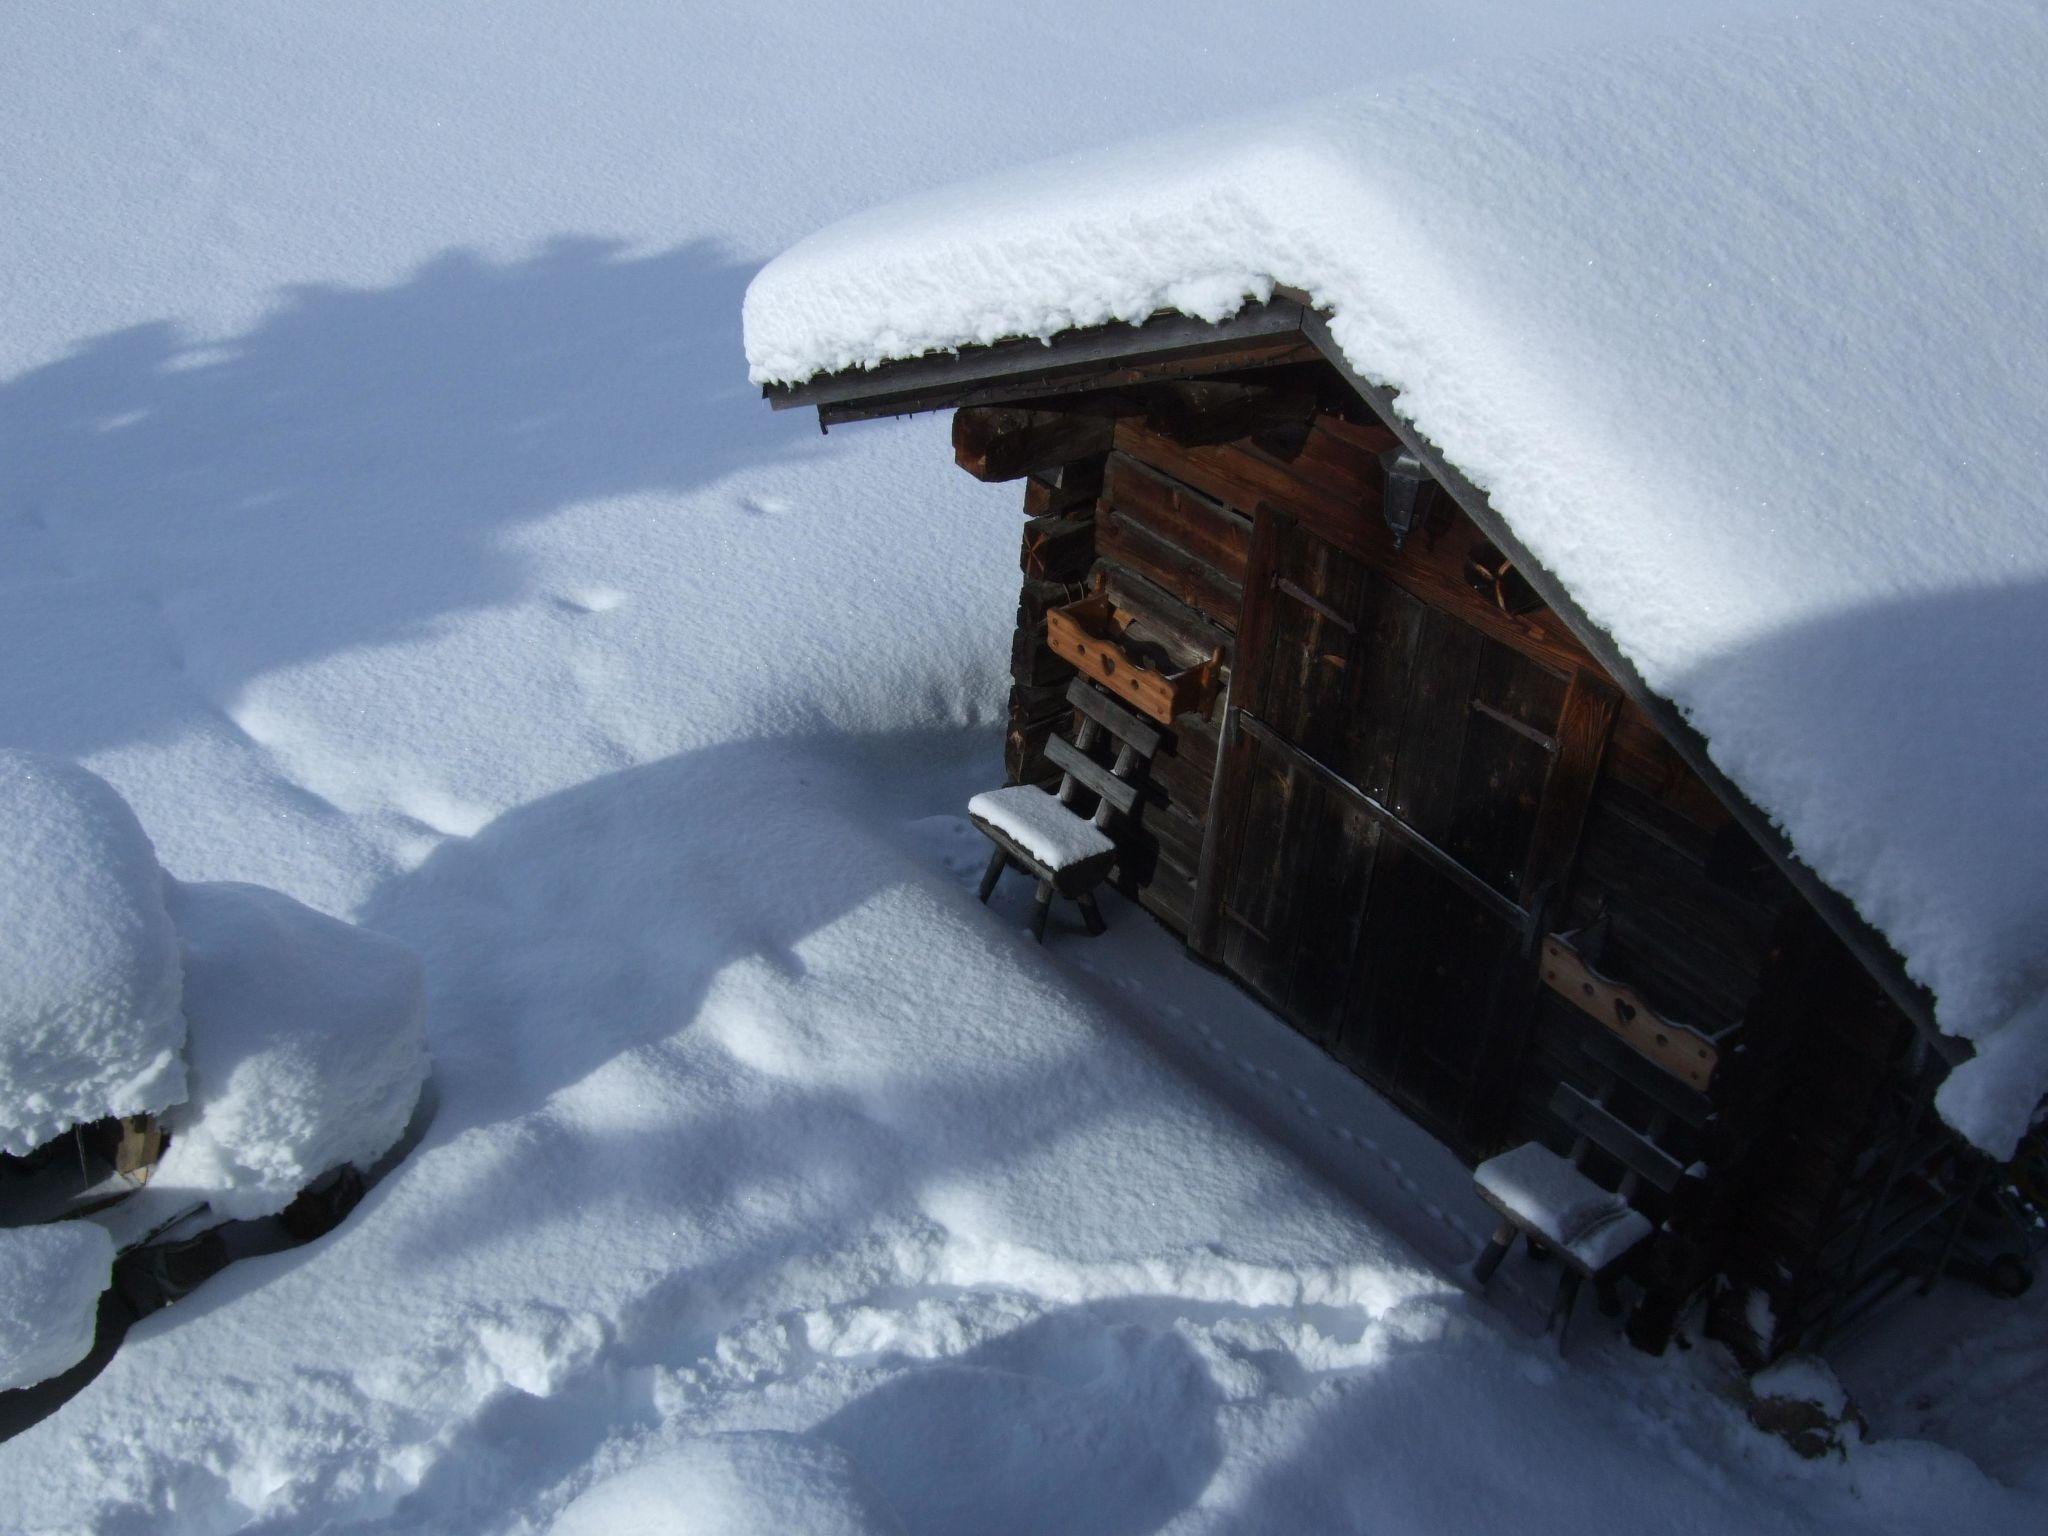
x: 1157, y: 497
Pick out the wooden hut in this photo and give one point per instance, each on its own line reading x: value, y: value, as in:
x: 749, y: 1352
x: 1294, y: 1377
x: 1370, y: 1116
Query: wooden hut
x: 1407, y: 792
x: 1425, y: 812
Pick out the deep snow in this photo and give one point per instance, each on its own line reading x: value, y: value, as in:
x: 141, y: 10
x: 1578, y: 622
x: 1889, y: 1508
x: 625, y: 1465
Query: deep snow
x: 383, y: 511
x: 305, y: 1048
x: 51, y: 1277
x: 1742, y: 331
x: 89, y: 1020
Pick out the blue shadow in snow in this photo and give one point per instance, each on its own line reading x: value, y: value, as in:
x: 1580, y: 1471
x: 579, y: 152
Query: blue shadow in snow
x: 345, y: 472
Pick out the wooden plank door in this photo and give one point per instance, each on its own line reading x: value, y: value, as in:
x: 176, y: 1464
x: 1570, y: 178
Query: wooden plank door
x: 1400, y: 790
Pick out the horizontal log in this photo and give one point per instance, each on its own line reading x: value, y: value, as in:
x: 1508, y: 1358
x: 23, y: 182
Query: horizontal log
x: 1211, y: 532
x: 1159, y: 886
x: 1036, y: 598
x: 1188, y: 625
x: 1333, y: 480
x: 1206, y: 411
x: 1038, y: 703
x: 1058, y: 548
x: 1181, y: 777
x: 1034, y: 663
x: 1639, y: 757
x: 1333, y: 488
x: 1177, y: 835
x: 1005, y: 442
x: 1071, y: 487
x: 1122, y: 542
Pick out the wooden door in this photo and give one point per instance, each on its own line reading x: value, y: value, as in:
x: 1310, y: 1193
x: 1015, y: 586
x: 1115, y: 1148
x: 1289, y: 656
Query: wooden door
x: 1400, y: 791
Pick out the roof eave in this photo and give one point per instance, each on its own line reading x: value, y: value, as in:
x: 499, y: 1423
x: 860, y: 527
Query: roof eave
x: 1166, y: 346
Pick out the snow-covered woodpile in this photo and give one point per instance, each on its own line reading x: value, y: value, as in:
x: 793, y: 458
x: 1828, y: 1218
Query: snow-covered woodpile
x: 173, y: 1055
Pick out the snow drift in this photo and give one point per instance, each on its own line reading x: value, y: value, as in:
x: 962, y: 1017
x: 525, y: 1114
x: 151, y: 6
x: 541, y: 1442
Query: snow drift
x: 307, y: 1048
x: 759, y: 1484
x: 301, y: 1039
x: 1745, y: 333
x: 50, y: 1279
x: 89, y: 1020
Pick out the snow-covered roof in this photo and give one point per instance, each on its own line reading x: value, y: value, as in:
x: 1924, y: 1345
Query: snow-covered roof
x: 1745, y: 334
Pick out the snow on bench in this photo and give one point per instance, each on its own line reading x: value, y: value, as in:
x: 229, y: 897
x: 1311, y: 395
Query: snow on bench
x: 1041, y: 826
x: 1562, y: 1205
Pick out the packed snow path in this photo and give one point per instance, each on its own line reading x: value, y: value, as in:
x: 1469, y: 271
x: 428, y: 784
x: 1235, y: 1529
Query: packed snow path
x: 383, y: 511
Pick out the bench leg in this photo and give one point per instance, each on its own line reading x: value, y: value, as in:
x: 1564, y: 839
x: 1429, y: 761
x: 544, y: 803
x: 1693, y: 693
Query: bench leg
x: 997, y: 863
x: 1561, y: 1309
x: 1041, y: 910
x: 1091, y: 914
x: 1607, y: 1292
x: 1495, y: 1250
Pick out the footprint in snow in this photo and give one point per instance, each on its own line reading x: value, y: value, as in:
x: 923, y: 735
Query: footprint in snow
x: 765, y: 506
x: 590, y: 599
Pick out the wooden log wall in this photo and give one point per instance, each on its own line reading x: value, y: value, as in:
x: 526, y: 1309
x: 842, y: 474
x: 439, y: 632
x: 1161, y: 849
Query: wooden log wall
x: 1155, y: 496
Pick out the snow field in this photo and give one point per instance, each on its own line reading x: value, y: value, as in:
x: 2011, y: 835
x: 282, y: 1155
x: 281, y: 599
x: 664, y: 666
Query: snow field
x: 382, y: 509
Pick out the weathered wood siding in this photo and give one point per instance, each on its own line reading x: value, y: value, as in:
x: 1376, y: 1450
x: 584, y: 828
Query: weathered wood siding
x: 1494, y: 738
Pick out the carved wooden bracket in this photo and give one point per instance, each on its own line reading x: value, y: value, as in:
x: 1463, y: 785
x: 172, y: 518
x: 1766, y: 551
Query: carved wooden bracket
x: 1679, y: 1049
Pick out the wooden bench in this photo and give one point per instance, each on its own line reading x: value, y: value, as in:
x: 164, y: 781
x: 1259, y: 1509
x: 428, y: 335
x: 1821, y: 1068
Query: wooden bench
x: 1552, y: 1199
x: 1067, y: 853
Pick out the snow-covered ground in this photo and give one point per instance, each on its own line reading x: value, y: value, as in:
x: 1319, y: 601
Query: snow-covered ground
x: 384, y: 512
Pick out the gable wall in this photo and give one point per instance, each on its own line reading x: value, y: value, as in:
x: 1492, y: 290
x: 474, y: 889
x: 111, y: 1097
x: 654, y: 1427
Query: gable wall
x: 1695, y: 916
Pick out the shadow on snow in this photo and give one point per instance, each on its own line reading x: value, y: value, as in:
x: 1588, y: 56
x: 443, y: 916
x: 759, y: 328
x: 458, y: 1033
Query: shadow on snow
x: 343, y: 473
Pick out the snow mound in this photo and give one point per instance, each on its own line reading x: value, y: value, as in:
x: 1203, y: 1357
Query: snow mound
x: 50, y: 1283
x: 307, y: 1047
x: 1745, y: 333
x: 748, y: 1484
x: 89, y: 1020
x: 1802, y: 1379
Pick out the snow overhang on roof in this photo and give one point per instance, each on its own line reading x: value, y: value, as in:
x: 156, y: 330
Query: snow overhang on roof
x: 1743, y: 335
